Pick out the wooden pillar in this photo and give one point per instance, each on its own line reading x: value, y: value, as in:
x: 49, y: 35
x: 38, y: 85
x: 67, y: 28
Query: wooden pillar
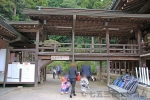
x: 22, y: 56
x: 139, y: 40
x: 100, y: 42
x: 143, y: 62
x: 111, y: 67
x: 129, y: 71
x: 108, y: 71
x: 73, y: 36
x: 36, y: 59
x: 125, y: 67
x: 45, y: 73
x: 6, y: 64
x: 100, y: 71
x: 115, y: 71
x: 132, y: 67
x: 43, y: 38
x: 107, y: 39
x: 120, y: 67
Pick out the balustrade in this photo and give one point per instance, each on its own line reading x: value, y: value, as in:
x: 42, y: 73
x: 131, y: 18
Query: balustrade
x: 89, y: 48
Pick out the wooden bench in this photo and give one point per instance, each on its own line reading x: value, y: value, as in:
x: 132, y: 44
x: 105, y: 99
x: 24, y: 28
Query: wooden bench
x: 114, y: 90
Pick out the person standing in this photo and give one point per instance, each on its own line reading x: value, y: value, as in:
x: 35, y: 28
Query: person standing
x: 54, y: 72
x: 72, y: 76
x: 59, y: 71
x: 86, y: 70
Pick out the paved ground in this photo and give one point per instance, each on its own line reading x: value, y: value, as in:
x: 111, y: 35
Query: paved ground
x: 50, y: 90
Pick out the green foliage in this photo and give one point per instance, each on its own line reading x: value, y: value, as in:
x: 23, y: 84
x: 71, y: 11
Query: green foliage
x: 15, y: 18
x: 7, y: 6
x: 69, y: 4
x: 35, y: 3
x: 61, y: 39
x: 66, y: 64
x: 55, y: 3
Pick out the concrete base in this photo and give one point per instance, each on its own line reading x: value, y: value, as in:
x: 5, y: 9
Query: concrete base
x: 143, y: 90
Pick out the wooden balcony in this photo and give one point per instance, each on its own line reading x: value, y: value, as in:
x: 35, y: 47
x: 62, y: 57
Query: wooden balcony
x: 90, y: 50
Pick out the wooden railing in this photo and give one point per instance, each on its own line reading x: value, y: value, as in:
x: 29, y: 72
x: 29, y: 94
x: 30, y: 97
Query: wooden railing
x: 124, y: 48
x: 145, y: 47
x: 56, y: 47
x: 89, y: 48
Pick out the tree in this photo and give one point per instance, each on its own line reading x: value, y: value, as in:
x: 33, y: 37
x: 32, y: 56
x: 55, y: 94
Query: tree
x: 35, y: 3
x: 6, y: 8
x: 69, y: 4
x: 55, y: 3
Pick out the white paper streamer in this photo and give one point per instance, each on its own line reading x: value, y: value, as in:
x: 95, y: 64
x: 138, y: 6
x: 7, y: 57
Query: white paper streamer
x: 143, y: 75
x: 145, y: 81
x: 140, y: 71
x: 147, y: 76
x: 136, y: 72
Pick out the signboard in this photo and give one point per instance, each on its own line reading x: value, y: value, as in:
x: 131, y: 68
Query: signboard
x: 28, y: 72
x: 15, y: 70
x: 59, y: 57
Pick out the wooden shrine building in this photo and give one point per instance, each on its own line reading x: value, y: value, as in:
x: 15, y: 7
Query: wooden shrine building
x: 123, y: 26
x: 137, y: 7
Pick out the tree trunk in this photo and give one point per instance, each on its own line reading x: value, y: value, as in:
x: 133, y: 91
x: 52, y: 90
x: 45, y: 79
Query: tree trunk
x: 15, y: 7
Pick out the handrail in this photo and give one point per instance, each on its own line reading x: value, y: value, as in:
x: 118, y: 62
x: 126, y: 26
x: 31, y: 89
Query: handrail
x: 123, y: 44
x: 54, y: 43
x: 87, y: 48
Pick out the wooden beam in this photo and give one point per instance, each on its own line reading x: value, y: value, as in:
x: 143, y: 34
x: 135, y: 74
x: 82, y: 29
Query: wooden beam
x: 27, y: 30
x: 22, y: 49
x: 145, y: 8
x: 23, y: 22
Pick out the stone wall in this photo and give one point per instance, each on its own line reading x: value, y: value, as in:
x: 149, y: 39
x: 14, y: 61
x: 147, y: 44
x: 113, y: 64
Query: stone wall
x: 143, y: 90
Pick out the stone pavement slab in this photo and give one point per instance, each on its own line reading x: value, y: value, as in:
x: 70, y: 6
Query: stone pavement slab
x: 6, y: 90
x: 50, y: 90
